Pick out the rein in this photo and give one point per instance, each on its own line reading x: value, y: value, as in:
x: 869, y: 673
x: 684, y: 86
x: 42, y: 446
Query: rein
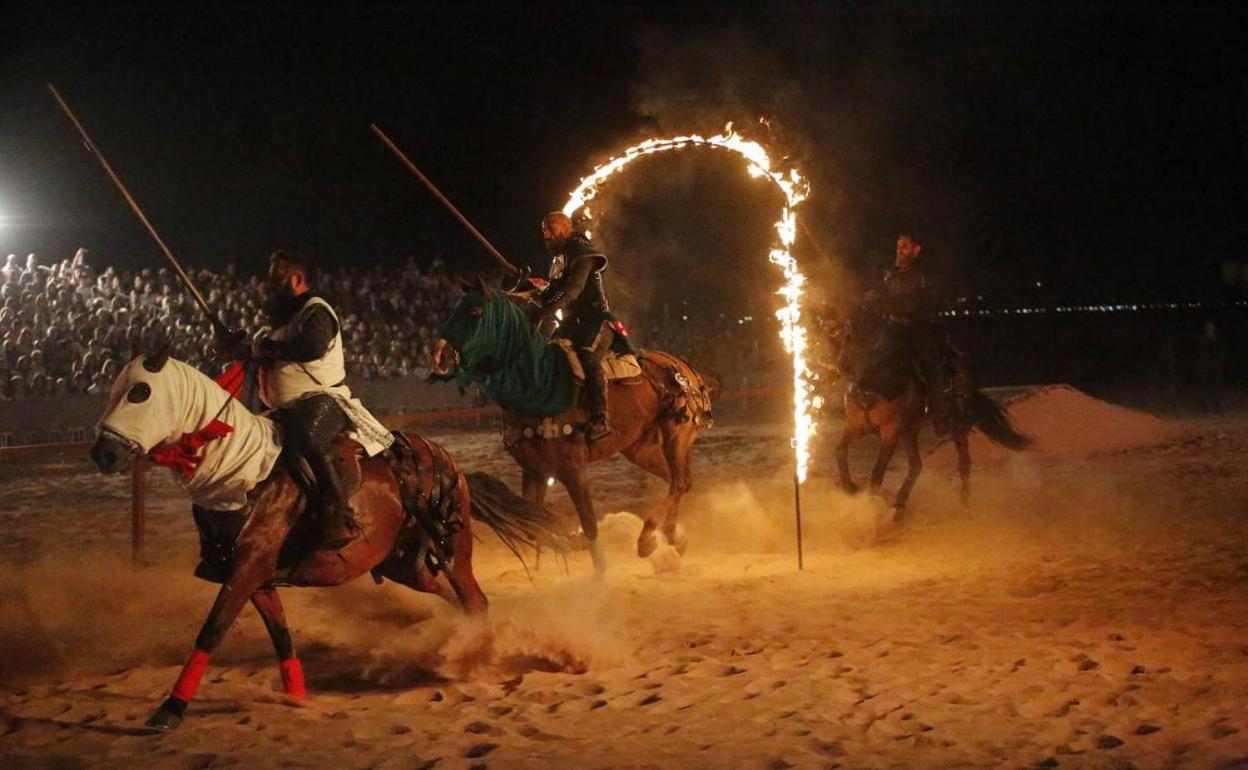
x: 183, y: 455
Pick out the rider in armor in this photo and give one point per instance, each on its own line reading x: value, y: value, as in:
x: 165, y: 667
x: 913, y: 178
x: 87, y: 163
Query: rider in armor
x: 302, y: 378
x: 907, y: 304
x: 576, y: 290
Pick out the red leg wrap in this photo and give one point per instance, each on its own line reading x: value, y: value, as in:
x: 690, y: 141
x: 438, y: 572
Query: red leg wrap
x: 188, y: 681
x: 292, y: 679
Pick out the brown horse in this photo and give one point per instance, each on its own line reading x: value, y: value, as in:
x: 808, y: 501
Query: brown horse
x: 656, y: 417
x: 884, y: 396
x: 414, y: 506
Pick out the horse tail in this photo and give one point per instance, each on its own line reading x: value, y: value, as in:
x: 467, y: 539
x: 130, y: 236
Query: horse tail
x: 992, y: 419
x: 518, y: 522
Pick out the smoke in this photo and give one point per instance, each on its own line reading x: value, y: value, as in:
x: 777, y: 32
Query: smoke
x: 689, y: 232
x: 92, y: 613
x: 400, y: 636
x: 846, y: 97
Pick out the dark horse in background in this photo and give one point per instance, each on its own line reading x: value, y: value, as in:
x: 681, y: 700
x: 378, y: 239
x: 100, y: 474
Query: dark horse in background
x: 885, y: 394
x: 415, y: 508
x: 490, y: 338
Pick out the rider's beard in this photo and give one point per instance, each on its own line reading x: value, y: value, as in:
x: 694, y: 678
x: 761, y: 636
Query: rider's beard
x: 279, y: 304
x: 554, y: 246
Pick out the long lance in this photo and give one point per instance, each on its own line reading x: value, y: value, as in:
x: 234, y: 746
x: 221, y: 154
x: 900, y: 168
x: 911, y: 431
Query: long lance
x: 445, y: 201
x: 217, y: 325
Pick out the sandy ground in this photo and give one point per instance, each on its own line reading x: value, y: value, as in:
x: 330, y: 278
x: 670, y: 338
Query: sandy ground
x: 1088, y: 610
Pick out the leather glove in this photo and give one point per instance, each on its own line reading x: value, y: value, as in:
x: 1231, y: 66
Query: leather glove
x: 268, y: 349
x: 231, y: 345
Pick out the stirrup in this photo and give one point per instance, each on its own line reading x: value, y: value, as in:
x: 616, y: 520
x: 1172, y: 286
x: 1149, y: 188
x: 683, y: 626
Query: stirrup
x: 598, y: 429
x: 345, y: 531
x: 341, y: 541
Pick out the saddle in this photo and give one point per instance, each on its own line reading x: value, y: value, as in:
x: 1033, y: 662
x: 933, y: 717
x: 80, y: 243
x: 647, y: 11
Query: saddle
x: 219, y: 530
x: 622, y: 368
x: 347, y: 455
x: 685, y: 396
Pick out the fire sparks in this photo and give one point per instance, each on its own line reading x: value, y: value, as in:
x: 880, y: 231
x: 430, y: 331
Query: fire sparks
x: 795, y: 190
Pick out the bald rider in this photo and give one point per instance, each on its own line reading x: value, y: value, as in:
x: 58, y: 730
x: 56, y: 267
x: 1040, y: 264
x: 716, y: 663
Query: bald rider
x: 576, y: 290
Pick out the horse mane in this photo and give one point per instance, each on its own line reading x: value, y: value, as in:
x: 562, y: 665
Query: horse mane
x: 513, y: 362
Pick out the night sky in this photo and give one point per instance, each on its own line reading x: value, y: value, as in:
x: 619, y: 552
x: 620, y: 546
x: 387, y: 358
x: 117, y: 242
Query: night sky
x: 1097, y: 151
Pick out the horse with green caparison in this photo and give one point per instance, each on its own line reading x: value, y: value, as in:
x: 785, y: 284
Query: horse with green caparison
x: 491, y: 338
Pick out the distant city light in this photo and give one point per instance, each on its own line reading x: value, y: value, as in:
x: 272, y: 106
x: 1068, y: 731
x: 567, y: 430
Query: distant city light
x: 1116, y: 308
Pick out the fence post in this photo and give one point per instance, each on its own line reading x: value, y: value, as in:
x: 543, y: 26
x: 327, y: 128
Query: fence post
x: 138, y: 510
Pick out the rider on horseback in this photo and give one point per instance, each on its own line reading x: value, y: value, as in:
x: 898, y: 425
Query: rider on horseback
x: 302, y: 378
x: 907, y: 305
x: 576, y: 289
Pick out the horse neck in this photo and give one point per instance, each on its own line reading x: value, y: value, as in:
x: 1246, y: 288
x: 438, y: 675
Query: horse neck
x: 205, y: 401
x: 520, y: 354
x: 523, y: 363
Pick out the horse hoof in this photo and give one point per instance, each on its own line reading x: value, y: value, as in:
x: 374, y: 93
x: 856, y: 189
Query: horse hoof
x: 852, y: 489
x: 899, y: 512
x: 168, y: 716
x: 599, y: 555
x: 681, y: 544
x: 646, y: 545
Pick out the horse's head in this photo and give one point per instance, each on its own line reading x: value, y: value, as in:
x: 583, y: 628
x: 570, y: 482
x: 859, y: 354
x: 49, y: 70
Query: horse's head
x: 847, y: 334
x: 478, y: 333
x: 143, y: 411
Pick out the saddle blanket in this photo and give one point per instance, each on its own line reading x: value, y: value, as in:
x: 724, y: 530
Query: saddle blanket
x: 616, y: 367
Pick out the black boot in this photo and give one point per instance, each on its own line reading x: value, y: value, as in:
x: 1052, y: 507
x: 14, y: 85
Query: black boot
x: 939, y: 399
x: 338, y: 525
x: 596, y: 401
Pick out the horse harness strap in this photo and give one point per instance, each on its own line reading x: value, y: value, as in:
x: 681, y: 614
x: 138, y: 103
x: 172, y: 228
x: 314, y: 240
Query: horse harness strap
x: 312, y: 377
x: 683, y: 400
x: 430, y: 504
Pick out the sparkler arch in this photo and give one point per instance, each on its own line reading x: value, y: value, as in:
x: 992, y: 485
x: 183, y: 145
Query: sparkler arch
x: 795, y: 190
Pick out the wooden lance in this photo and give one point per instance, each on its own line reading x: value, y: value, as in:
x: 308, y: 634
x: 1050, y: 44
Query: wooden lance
x: 217, y: 325
x: 445, y: 201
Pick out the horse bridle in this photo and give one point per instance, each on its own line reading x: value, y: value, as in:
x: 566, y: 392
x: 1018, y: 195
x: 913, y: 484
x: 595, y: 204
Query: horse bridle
x: 137, y: 449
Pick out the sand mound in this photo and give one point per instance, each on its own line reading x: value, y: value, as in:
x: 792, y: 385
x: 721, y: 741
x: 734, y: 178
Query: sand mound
x: 1064, y: 421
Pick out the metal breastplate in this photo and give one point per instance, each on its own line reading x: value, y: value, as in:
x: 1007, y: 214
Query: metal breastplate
x: 593, y: 300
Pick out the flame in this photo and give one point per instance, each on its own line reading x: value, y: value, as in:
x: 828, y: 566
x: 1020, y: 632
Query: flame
x: 795, y: 190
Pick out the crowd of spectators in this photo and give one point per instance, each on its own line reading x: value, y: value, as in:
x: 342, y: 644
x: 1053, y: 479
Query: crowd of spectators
x: 67, y: 328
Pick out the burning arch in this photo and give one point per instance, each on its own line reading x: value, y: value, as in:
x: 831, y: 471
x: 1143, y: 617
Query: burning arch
x: 795, y: 190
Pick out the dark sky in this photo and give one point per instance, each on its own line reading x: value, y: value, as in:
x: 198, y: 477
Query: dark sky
x: 1097, y: 149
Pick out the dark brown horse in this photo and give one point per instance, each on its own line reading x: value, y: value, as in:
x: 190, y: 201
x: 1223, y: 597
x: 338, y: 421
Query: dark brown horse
x: 414, y: 506
x: 656, y: 417
x: 884, y: 396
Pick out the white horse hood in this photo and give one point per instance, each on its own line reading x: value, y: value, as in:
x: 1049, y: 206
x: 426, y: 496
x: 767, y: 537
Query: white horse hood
x: 157, y: 407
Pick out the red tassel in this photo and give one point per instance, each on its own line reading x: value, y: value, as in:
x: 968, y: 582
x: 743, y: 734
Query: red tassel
x: 231, y: 380
x: 192, y: 673
x: 183, y: 454
x: 292, y: 679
